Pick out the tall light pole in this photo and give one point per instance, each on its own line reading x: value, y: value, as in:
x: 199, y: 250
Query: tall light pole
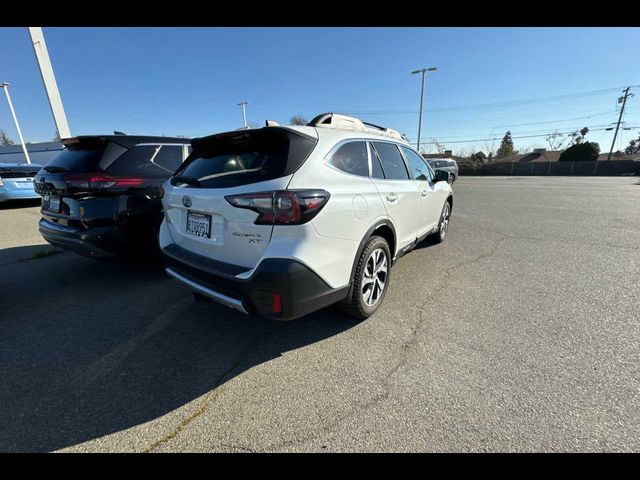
x: 423, y: 71
x: 5, y: 87
x: 244, y: 113
x: 49, y: 80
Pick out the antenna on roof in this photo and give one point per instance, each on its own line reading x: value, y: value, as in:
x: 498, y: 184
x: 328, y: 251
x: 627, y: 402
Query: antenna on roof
x: 115, y: 132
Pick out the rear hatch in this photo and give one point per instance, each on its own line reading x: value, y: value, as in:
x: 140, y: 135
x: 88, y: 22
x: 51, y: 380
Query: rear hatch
x: 18, y: 177
x: 226, y: 168
x: 82, y: 181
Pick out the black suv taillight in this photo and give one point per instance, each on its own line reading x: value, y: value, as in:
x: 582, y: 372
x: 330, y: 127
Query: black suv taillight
x: 282, y: 207
x: 100, y: 181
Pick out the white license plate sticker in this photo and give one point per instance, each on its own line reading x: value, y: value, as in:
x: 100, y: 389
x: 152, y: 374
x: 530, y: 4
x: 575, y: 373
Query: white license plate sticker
x: 199, y: 224
x: 52, y: 204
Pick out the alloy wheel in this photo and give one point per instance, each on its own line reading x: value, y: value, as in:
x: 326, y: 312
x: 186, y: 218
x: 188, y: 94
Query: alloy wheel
x: 444, y: 222
x: 374, y: 277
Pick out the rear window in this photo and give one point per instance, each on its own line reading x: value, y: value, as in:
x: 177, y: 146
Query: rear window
x: 77, y: 160
x: 241, y: 158
x: 352, y: 158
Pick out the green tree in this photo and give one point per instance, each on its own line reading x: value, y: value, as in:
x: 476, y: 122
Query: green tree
x: 4, y: 138
x: 581, y: 152
x: 298, y: 120
x: 479, y: 157
x: 634, y: 147
x: 506, y: 146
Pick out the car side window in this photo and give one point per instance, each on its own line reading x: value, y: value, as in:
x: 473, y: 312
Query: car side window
x: 137, y: 162
x: 376, y: 166
x: 169, y: 157
x: 351, y: 158
x: 419, y: 168
x: 392, y: 162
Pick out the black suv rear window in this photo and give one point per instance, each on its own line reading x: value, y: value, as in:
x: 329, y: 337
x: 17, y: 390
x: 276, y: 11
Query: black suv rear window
x: 241, y: 158
x: 77, y: 160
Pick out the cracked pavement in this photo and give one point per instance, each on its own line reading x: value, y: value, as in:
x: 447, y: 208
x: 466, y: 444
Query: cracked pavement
x: 520, y: 332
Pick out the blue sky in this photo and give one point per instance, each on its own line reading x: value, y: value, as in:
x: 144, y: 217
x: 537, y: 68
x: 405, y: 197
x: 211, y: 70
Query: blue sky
x: 188, y: 80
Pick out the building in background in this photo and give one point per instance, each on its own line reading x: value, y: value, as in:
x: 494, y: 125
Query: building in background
x: 39, y: 153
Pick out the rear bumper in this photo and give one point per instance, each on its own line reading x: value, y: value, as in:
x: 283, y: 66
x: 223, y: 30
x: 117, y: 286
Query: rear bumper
x: 301, y: 290
x: 95, y: 242
x: 17, y: 194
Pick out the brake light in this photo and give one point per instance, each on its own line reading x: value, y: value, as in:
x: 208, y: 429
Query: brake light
x: 100, y: 181
x: 282, y: 207
x: 276, y: 303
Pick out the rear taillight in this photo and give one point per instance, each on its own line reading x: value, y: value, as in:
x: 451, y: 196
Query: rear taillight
x: 282, y: 207
x: 100, y: 181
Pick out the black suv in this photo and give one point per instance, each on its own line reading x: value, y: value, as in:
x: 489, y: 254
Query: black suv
x: 101, y: 194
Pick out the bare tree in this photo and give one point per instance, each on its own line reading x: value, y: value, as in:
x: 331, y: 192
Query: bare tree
x: 525, y: 150
x: 489, y: 146
x: 437, y: 145
x: 298, y: 120
x: 554, y: 140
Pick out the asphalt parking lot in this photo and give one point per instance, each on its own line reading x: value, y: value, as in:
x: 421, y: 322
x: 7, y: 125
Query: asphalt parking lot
x: 521, y: 332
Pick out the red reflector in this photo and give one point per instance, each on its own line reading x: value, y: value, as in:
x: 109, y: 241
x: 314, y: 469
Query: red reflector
x: 276, y: 303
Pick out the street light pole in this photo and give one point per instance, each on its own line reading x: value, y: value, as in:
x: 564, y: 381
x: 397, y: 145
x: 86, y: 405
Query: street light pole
x: 5, y: 87
x: 423, y: 71
x: 244, y: 113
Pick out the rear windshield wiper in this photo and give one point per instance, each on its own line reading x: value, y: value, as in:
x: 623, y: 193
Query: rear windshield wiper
x: 54, y: 169
x: 188, y: 180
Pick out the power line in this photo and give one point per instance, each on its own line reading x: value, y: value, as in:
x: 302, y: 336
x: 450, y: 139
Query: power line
x: 517, y: 137
x: 492, y: 105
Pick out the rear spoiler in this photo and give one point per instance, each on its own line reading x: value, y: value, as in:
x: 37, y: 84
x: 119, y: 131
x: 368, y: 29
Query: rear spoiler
x: 200, y: 142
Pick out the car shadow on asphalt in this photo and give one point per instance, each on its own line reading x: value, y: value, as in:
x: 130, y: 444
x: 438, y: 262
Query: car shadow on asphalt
x: 15, y: 204
x: 89, y: 348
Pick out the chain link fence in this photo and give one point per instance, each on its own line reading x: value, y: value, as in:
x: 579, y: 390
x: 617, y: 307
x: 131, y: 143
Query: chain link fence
x: 606, y: 168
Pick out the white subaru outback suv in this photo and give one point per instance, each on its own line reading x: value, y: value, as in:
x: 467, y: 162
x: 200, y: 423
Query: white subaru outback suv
x: 282, y: 221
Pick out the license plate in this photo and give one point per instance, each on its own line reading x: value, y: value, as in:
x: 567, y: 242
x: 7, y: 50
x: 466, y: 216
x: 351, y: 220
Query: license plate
x: 51, y: 204
x: 199, y: 224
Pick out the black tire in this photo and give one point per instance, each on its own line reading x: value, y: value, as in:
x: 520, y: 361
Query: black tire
x: 441, y: 234
x: 356, y: 305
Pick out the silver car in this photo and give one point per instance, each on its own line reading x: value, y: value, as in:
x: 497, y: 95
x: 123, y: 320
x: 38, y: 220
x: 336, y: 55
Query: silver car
x: 16, y: 181
x: 446, y: 164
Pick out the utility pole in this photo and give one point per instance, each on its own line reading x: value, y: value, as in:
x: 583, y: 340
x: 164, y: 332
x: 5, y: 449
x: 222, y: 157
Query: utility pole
x: 5, y: 87
x: 49, y: 80
x: 423, y: 71
x: 244, y: 113
x: 623, y: 98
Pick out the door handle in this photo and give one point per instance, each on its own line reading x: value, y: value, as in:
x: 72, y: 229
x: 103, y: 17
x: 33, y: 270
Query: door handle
x: 425, y: 192
x: 392, y: 197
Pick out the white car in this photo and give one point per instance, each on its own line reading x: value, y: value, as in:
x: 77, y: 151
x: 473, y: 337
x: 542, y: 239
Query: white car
x: 282, y: 221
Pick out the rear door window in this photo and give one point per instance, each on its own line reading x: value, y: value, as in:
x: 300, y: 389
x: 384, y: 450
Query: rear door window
x: 351, y: 158
x: 392, y: 162
x: 376, y: 167
x: 137, y: 162
x: 169, y: 157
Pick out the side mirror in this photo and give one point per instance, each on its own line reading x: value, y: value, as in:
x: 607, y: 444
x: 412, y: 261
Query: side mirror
x: 441, y: 176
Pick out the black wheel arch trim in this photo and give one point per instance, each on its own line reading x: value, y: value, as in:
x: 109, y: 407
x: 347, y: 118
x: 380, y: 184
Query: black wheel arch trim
x: 363, y: 243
